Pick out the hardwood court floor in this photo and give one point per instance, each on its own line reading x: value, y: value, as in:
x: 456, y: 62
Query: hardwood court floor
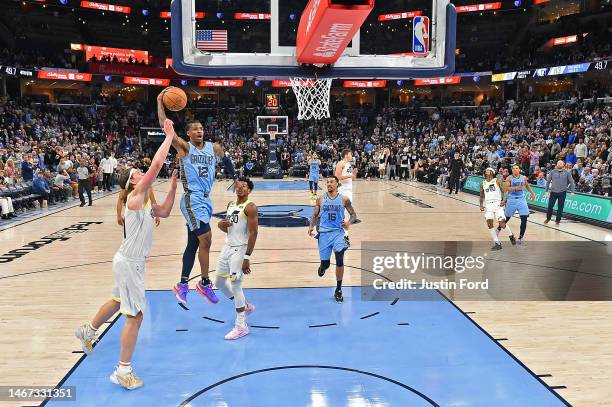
x: 49, y: 291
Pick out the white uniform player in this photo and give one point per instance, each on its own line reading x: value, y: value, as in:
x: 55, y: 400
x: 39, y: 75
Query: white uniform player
x: 236, y: 240
x: 493, y: 198
x: 128, y: 295
x: 129, y: 261
x: 346, y: 188
x: 240, y: 224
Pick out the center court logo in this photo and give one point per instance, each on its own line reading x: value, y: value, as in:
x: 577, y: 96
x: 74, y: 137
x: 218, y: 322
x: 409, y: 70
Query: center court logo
x: 281, y: 216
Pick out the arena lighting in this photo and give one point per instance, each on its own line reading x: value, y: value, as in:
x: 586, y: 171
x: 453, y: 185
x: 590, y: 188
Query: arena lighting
x: 517, y: 3
x: 400, y: 82
x: 183, y: 82
x: 63, y: 2
x: 292, y: 17
x: 258, y: 83
x: 145, y: 12
x: 219, y: 16
x: 108, y: 78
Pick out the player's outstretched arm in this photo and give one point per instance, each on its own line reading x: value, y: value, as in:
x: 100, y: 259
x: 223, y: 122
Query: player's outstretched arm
x: 348, y: 205
x: 139, y: 195
x: 163, y: 210
x: 178, y: 143
x: 314, y: 221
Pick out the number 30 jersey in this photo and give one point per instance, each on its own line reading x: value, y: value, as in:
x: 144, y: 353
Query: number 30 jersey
x: 238, y: 233
x: 198, y: 175
x: 332, y: 213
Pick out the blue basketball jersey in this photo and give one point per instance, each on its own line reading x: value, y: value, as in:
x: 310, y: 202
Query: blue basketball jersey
x: 198, y: 169
x: 314, y: 168
x: 332, y: 214
x: 198, y: 175
x: 517, y: 182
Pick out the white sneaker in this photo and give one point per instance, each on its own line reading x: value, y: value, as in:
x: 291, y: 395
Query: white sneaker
x: 237, y: 332
x: 87, y: 338
x: 128, y: 381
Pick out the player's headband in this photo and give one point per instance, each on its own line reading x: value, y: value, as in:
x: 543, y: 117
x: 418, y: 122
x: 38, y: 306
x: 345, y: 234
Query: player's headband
x: 127, y: 183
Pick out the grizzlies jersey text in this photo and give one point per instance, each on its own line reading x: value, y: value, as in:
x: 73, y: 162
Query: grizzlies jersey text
x: 314, y: 169
x: 332, y: 214
x: 516, y: 182
x: 198, y: 175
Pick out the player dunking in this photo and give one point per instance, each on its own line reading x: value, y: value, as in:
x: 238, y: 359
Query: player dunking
x: 492, y: 200
x: 198, y: 160
x: 313, y: 175
x: 329, y: 214
x: 240, y: 224
x: 345, y: 175
x: 128, y: 295
x: 516, y: 199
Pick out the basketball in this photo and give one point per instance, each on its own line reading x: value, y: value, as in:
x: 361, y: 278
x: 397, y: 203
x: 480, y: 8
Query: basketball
x: 174, y: 98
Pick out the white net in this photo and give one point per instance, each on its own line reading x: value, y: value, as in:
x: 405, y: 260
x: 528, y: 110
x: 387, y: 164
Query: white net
x: 312, y: 96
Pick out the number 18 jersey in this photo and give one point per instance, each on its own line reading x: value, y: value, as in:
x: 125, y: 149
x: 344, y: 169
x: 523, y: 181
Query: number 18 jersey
x: 332, y: 213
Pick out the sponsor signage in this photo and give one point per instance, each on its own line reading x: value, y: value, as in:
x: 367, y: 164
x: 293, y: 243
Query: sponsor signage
x: 122, y: 54
x: 399, y: 16
x: 592, y: 207
x: 251, y: 16
x: 540, y: 72
x: 221, y: 83
x: 449, y: 80
x: 281, y: 83
x: 365, y: 84
x: 137, y: 80
x: 479, y: 7
x: 420, y: 36
x: 65, y: 76
x: 106, y: 7
x: 564, y: 40
x: 166, y: 14
x: 499, y: 77
x: 14, y: 71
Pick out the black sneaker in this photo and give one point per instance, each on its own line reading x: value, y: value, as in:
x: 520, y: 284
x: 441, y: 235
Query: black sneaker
x: 321, y: 272
x: 338, y: 296
x: 497, y: 246
x: 513, y: 240
x: 83, y: 204
x: 347, y: 241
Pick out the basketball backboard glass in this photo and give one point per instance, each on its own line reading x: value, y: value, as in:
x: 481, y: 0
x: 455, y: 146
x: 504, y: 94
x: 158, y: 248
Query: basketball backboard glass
x: 277, y: 124
x: 262, y: 45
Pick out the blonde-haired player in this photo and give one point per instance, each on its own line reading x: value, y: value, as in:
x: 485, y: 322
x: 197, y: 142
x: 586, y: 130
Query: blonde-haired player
x: 492, y: 201
x: 128, y: 296
x: 240, y: 224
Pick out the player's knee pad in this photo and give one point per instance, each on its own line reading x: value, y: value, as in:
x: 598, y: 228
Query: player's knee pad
x: 239, y: 299
x: 325, y: 264
x: 340, y: 258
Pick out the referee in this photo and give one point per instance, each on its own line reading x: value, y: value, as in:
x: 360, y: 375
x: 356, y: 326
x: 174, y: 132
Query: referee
x: 558, y: 182
x: 84, y: 182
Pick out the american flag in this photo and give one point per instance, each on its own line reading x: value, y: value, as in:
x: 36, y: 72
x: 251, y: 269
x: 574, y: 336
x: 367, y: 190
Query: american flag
x: 211, y: 40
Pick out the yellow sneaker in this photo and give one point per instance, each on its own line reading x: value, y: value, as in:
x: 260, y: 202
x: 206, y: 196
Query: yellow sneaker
x: 87, y: 338
x: 128, y: 381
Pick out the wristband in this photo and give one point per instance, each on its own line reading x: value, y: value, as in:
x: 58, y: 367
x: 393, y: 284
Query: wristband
x: 247, y: 257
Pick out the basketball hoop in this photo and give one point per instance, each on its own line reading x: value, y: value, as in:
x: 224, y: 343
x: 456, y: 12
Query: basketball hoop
x: 312, y: 96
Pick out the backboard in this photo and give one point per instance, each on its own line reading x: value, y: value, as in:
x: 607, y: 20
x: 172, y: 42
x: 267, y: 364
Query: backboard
x: 261, y: 45
x: 277, y: 124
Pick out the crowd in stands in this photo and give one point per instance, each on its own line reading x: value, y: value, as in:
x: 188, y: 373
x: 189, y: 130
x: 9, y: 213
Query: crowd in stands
x: 57, y: 153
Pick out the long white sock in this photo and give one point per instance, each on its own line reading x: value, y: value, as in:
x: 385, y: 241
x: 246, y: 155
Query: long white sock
x: 494, y: 235
x: 241, y: 319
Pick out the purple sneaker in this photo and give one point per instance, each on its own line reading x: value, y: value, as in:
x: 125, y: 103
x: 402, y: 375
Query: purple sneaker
x: 180, y: 292
x: 207, y: 292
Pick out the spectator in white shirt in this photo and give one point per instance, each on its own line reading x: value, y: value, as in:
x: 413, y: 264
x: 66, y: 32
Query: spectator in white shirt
x: 108, y: 164
x: 581, y: 149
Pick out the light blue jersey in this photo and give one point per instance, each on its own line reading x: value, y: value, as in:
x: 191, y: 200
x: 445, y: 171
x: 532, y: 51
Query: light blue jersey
x: 332, y: 214
x: 331, y: 234
x: 517, y: 182
x: 198, y: 175
x: 314, y: 170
